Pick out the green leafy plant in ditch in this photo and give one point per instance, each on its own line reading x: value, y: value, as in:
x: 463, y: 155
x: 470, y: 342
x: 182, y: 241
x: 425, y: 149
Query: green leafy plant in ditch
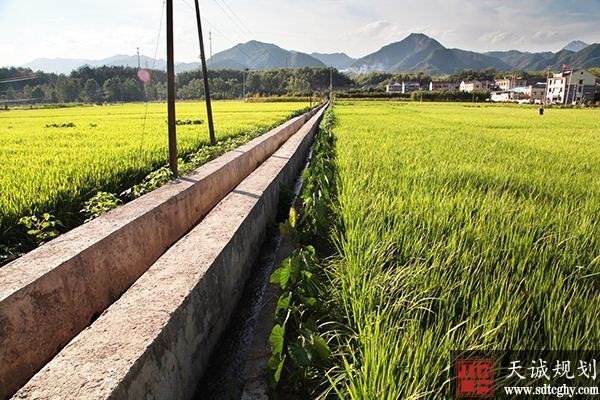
x: 301, y: 350
x: 296, y: 337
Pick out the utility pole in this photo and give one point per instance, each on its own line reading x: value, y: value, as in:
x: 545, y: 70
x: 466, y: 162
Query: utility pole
x: 211, y: 127
x: 244, y: 83
x: 138, y: 55
x: 330, y: 83
x: 210, y: 46
x: 547, y: 85
x: 171, y: 91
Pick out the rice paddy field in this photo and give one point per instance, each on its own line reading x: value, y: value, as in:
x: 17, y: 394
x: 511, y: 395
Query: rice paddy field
x: 461, y: 227
x: 52, y: 159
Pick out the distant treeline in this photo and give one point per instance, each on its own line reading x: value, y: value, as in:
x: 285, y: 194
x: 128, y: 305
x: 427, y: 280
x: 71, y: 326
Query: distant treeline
x: 120, y: 84
x: 115, y: 84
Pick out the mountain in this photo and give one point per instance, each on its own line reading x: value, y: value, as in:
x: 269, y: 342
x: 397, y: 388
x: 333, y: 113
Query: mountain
x: 66, y: 65
x: 335, y: 60
x: 258, y: 55
x: 56, y: 65
x: 524, y: 60
x: 399, y: 56
x: 418, y: 52
x: 575, y: 46
x: 588, y: 57
x: 415, y: 53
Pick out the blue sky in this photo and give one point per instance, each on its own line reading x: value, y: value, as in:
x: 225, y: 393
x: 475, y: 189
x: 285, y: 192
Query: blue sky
x: 32, y: 29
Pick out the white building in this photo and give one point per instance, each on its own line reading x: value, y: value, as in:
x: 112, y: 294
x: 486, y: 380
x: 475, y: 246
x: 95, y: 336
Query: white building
x: 470, y: 86
x: 443, y: 86
x: 507, y: 84
x: 394, y: 88
x: 536, y: 92
x: 408, y: 87
x: 571, y: 86
x: 500, y: 96
x: 522, y: 94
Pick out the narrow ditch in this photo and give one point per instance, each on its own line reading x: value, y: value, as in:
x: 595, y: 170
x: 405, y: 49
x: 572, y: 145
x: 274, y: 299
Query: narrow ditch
x: 224, y: 376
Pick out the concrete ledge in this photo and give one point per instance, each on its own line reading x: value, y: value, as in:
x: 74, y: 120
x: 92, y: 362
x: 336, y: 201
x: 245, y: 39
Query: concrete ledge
x: 155, y: 341
x: 51, y: 294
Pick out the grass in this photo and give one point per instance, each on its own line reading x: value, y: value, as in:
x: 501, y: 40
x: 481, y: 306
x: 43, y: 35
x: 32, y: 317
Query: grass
x: 460, y: 227
x: 52, y: 160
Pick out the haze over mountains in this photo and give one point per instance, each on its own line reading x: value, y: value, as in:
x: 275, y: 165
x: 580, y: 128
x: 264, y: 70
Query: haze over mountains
x: 415, y: 53
x: 66, y: 65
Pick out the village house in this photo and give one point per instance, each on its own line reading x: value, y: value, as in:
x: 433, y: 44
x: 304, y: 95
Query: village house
x: 404, y: 87
x: 528, y: 94
x: 408, y: 87
x: 501, y: 96
x: 451, y: 86
x: 393, y: 88
x: 536, y: 92
x: 571, y: 86
x: 471, y: 86
x: 508, y: 84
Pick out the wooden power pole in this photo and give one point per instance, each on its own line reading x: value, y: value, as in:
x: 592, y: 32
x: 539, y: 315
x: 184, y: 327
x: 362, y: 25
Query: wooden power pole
x: 211, y: 127
x: 171, y: 91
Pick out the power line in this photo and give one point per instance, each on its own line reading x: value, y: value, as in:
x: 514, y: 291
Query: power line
x: 233, y: 16
x: 18, y: 79
x: 264, y: 50
x: 219, y: 32
x: 162, y: 13
x: 245, y: 30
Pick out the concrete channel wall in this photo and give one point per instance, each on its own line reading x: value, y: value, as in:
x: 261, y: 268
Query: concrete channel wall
x: 51, y: 294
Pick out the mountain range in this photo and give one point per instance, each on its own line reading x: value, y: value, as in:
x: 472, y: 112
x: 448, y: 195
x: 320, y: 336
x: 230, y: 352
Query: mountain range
x: 418, y: 52
x: 415, y: 53
x: 66, y: 65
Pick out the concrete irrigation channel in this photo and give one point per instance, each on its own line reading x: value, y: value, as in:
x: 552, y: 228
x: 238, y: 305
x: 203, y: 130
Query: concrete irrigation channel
x: 131, y: 305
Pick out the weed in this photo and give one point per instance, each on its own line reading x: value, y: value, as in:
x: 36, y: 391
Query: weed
x: 100, y: 204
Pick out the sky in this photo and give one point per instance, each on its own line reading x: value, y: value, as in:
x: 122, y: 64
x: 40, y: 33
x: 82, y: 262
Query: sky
x: 31, y: 29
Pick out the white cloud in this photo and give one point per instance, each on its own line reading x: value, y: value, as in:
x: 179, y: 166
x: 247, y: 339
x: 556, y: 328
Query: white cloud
x: 374, y: 28
x: 75, y: 29
x: 498, y: 37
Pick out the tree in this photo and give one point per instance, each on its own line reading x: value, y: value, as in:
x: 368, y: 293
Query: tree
x: 298, y: 86
x: 27, y: 89
x: 161, y: 91
x: 150, y: 90
x: 67, y: 89
x: 112, y: 89
x: 49, y: 93
x: 131, y: 90
x: 11, y: 93
x: 90, y: 91
x: 193, y: 90
x: 37, y: 92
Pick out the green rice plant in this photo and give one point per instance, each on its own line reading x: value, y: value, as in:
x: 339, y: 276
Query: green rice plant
x: 103, y: 148
x: 460, y: 228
